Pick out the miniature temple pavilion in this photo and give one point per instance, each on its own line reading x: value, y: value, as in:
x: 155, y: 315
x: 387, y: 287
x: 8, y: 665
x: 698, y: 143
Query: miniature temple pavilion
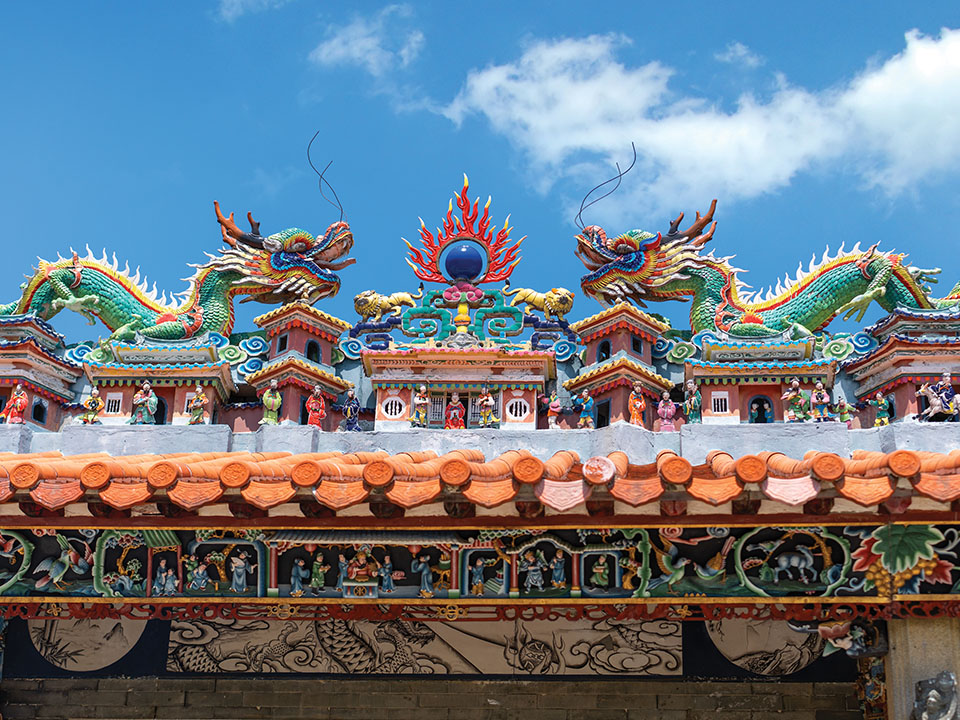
x: 462, y: 480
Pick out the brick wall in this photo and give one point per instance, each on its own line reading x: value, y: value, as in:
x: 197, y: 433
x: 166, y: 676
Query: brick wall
x: 425, y: 699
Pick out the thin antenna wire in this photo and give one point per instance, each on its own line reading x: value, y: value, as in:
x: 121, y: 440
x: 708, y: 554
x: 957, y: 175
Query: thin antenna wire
x: 322, y: 179
x: 578, y: 220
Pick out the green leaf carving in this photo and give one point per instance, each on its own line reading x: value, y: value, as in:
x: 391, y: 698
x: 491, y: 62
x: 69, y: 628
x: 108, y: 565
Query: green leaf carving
x: 901, y: 546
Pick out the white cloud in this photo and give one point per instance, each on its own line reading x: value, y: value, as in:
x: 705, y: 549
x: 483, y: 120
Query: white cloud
x: 375, y: 44
x: 736, y: 53
x: 230, y: 10
x: 566, y: 100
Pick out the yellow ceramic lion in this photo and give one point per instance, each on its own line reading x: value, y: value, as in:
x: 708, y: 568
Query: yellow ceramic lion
x: 371, y: 304
x: 556, y: 302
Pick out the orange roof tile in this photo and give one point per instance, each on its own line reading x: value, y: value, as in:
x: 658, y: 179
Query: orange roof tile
x: 561, y: 482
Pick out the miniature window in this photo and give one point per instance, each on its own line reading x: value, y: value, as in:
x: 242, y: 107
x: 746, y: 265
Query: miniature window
x: 281, y: 344
x: 603, y: 351
x: 304, y: 415
x: 186, y: 403
x: 393, y: 407
x: 438, y: 404
x: 517, y: 409
x: 721, y: 403
x: 113, y: 403
x: 636, y: 344
x: 39, y: 413
x: 313, y: 351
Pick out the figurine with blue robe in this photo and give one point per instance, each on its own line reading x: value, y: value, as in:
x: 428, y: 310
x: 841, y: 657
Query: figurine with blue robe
x: 199, y: 578
x: 160, y: 577
x: 422, y: 565
x: 476, y: 577
x: 558, y: 571
x: 342, y: 565
x: 351, y: 412
x: 534, y: 564
x: 585, y: 403
x: 385, y: 571
x: 298, y: 573
x: 946, y: 393
x: 170, y: 583
x: 239, y: 567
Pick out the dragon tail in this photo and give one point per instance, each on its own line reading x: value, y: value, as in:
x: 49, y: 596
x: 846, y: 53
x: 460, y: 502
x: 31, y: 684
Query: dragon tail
x: 952, y: 298
x: 8, y: 308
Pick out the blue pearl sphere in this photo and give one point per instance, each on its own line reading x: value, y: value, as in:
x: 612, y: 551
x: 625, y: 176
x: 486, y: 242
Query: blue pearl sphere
x: 463, y: 261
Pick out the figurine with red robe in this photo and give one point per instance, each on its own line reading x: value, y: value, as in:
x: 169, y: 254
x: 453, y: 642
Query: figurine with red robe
x: 455, y: 414
x: 15, y: 408
x: 316, y: 407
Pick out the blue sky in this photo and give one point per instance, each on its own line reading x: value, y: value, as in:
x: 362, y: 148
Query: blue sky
x: 812, y: 123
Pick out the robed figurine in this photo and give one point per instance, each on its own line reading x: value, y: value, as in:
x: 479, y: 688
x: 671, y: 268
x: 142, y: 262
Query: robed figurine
x: 144, y: 406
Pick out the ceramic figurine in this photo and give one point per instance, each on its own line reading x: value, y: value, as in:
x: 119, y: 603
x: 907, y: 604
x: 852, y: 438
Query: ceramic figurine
x: 197, y: 406
x: 92, y: 407
x: 422, y: 565
x: 758, y: 409
x: 558, y: 571
x: 819, y: 403
x: 351, y: 412
x: 693, y: 403
x: 946, y: 393
x: 271, y: 401
x: 585, y: 403
x: 318, y: 574
x: 421, y: 402
x: 342, y: 565
x: 667, y: 410
x: 159, y: 579
x: 15, y: 408
x: 843, y: 411
x: 362, y: 567
x: 239, y: 567
x: 637, y: 405
x: 554, y: 408
x: 600, y: 573
x: 298, y: 573
x: 200, y: 578
x: 533, y: 563
x: 385, y: 572
x: 455, y: 414
x: 796, y: 402
x: 486, y: 405
x: 316, y: 407
x: 883, y: 409
x: 476, y: 577
x: 144, y: 406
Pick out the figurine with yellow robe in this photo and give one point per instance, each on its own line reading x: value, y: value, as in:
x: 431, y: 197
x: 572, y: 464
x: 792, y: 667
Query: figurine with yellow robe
x: 197, y: 406
x: 92, y: 407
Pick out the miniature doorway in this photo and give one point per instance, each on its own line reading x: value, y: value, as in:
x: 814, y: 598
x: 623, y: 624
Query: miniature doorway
x: 160, y: 415
x: 760, y: 410
x: 603, y: 414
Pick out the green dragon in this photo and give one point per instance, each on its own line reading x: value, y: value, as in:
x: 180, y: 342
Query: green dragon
x: 639, y: 266
x: 283, y: 267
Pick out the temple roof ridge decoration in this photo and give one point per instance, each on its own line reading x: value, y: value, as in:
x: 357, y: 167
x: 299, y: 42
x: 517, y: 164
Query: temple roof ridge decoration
x: 561, y: 482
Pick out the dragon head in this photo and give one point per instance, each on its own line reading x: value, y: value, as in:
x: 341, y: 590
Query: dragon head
x: 291, y: 265
x: 639, y: 264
